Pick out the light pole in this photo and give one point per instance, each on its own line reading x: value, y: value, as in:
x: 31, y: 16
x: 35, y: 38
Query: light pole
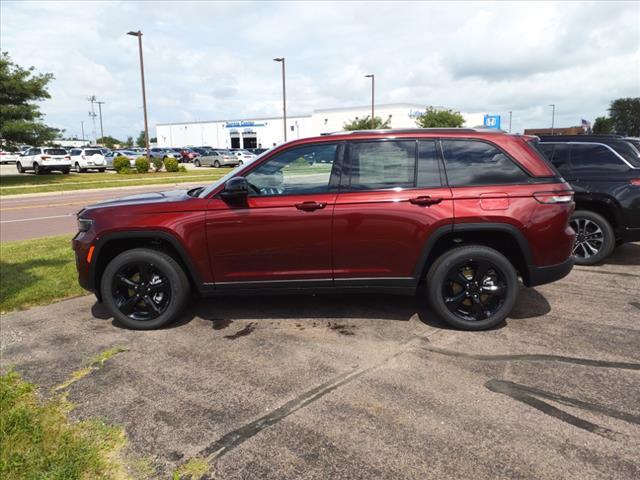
x: 284, y: 97
x: 144, y: 95
x: 510, y: 116
x: 92, y: 114
x: 553, y: 116
x: 82, y: 127
x: 373, y: 93
x: 100, y: 113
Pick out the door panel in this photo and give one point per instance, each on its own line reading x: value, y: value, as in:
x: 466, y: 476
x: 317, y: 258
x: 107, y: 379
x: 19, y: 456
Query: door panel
x: 270, y: 239
x: 382, y: 233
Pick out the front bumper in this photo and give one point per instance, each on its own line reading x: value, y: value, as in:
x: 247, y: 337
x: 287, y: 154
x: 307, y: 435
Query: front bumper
x: 542, y: 275
x: 81, y: 244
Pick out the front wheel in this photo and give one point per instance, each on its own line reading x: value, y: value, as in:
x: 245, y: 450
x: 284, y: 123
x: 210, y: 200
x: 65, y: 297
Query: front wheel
x: 196, y: 163
x: 472, y: 287
x: 66, y: 171
x: 101, y: 170
x: 216, y: 164
x: 595, y: 239
x: 19, y: 167
x: 144, y: 289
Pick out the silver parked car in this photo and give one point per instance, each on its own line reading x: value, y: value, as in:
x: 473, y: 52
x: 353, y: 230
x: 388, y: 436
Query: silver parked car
x: 216, y: 158
x: 111, y: 156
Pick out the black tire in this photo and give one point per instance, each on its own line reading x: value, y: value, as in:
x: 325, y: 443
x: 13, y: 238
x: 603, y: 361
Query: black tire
x: 19, y: 167
x: 216, y: 164
x: 595, y: 238
x: 76, y: 168
x: 36, y: 169
x: 66, y: 171
x: 161, y: 267
x: 196, y: 163
x: 458, y: 299
x: 101, y: 170
x: 240, y: 162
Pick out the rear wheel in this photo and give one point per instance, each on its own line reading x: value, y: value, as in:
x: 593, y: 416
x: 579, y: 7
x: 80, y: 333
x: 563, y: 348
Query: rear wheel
x: 196, y: 163
x: 101, y: 170
x: 472, y: 287
x: 144, y: 289
x: 595, y: 239
x: 19, y: 167
x: 66, y: 171
x: 36, y: 169
x: 76, y: 168
x: 216, y: 164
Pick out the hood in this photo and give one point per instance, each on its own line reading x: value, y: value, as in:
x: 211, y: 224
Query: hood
x: 145, y: 198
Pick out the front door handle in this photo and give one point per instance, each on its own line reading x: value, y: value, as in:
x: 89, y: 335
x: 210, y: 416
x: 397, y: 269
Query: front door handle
x: 310, y: 206
x: 425, y: 200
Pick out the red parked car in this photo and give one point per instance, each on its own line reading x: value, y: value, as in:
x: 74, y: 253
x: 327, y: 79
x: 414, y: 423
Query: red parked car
x: 452, y: 214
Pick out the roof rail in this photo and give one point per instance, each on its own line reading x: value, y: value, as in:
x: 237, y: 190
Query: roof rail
x: 418, y: 130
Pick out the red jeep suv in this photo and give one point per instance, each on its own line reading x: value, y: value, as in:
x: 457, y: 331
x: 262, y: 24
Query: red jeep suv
x: 454, y: 214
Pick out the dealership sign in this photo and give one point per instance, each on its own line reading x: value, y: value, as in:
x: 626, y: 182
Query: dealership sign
x: 492, y: 121
x: 243, y: 124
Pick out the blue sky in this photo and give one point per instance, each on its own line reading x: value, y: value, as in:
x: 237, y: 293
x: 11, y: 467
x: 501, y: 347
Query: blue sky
x: 211, y: 60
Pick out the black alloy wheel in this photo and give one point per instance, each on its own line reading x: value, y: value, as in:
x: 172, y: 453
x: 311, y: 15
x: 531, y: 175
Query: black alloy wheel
x: 472, y: 287
x: 474, y: 290
x: 141, y: 291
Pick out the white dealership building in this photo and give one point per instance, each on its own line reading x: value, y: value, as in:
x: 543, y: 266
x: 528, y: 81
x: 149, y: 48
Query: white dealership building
x: 267, y: 131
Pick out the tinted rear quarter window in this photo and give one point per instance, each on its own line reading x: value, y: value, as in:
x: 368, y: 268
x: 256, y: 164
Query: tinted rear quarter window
x: 593, y: 157
x: 382, y: 164
x: 472, y: 162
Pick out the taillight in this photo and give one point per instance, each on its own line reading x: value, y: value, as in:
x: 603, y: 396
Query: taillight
x: 565, y: 196
x: 45, y: 157
x: 67, y: 157
x: 635, y: 181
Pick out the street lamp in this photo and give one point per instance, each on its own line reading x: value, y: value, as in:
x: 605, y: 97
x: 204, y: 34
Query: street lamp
x: 510, y: 116
x: 144, y: 95
x: 284, y: 98
x: 373, y: 90
x: 553, y: 116
x: 100, y: 113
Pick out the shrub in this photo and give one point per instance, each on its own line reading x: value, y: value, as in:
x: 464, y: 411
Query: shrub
x: 142, y: 165
x: 121, y: 164
x: 157, y: 164
x: 171, y: 165
x: 182, y: 168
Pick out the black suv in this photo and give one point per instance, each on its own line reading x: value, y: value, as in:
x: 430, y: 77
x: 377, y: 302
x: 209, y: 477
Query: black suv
x: 604, y: 171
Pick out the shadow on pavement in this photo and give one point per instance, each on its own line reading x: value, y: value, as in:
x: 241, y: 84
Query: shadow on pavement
x: 221, y: 310
x: 627, y: 254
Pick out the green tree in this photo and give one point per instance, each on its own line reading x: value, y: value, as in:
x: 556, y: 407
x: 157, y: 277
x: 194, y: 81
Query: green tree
x: 20, y: 116
x: 365, y: 124
x: 602, y: 125
x: 129, y: 142
x: 625, y: 115
x: 434, y: 118
x: 140, y: 142
x: 109, y: 142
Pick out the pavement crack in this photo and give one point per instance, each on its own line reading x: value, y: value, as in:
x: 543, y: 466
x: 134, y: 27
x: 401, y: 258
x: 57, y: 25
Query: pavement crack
x: 529, y: 396
x: 233, y: 439
x: 535, y: 357
x: 95, y: 363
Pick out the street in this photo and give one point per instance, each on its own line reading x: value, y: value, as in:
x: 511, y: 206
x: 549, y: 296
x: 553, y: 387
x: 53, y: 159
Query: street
x: 362, y: 386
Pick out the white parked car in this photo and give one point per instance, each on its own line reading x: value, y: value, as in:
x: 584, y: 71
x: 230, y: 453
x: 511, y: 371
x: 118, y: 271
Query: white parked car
x: 7, y: 157
x: 244, y: 156
x: 83, y: 159
x: 44, y: 159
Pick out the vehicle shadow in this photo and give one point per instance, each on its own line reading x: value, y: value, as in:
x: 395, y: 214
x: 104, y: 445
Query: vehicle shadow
x: 627, y: 254
x: 301, y: 308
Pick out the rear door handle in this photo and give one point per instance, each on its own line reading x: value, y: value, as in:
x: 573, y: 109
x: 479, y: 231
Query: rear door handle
x: 425, y: 200
x: 310, y: 206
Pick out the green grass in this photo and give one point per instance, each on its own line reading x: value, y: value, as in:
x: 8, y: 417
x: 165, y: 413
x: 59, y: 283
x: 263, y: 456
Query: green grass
x: 57, y: 182
x: 38, y: 441
x: 36, y: 272
x: 194, y: 469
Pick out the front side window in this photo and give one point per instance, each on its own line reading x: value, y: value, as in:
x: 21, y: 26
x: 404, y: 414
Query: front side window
x: 595, y: 157
x: 472, y: 162
x: 382, y: 165
x: 297, y: 171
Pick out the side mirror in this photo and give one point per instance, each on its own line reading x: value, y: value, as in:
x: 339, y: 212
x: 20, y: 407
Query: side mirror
x: 235, y: 189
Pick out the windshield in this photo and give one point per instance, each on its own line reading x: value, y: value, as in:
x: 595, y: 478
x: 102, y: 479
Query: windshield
x: 223, y: 180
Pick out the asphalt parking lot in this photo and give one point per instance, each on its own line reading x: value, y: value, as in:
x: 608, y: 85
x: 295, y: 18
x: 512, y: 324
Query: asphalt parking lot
x: 363, y: 386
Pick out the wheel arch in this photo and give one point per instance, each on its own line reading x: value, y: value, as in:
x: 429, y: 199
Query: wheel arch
x: 111, y: 245
x: 503, y: 237
x: 605, y: 206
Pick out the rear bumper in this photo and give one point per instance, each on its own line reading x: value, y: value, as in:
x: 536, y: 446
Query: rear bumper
x: 542, y: 275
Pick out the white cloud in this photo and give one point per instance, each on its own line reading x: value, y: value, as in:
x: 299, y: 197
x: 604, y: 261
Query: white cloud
x: 214, y: 60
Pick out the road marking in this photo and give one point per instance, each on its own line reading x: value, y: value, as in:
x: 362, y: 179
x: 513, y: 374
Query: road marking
x: 38, y: 218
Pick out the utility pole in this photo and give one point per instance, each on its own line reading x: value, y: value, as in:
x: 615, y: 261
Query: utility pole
x: 553, y: 116
x: 284, y: 97
x: 100, y: 113
x: 82, y: 127
x: 373, y: 92
x: 93, y: 115
x: 510, y: 115
x: 144, y: 95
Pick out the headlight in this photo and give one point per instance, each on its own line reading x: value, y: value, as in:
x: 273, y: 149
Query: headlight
x: 84, y: 224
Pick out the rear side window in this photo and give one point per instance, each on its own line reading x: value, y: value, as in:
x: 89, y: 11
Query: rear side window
x: 628, y: 151
x: 428, y: 174
x: 381, y: 165
x: 595, y: 157
x: 471, y: 162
